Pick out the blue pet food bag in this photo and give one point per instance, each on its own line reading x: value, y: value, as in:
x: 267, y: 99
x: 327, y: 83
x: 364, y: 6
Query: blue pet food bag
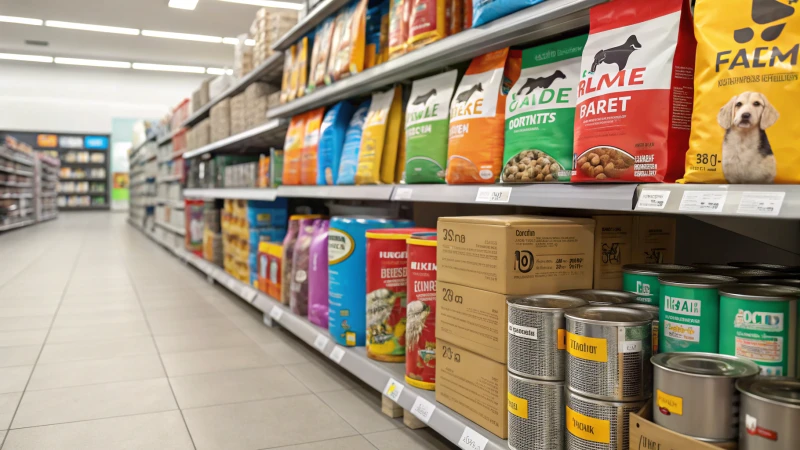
x: 331, y: 140
x: 485, y: 11
x: 352, y: 144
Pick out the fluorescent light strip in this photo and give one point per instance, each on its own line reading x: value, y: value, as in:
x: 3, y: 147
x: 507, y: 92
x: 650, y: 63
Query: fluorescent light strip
x: 230, y: 41
x: 93, y: 63
x: 250, y: 42
x: 219, y: 71
x: 22, y: 20
x: 183, y: 4
x: 29, y: 58
x: 88, y: 27
x: 169, y: 68
x: 182, y: 36
x: 268, y: 4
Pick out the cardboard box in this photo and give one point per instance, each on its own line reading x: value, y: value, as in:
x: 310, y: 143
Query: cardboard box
x: 516, y: 254
x: 646, y: 435
x: 654, y: 241
x: 473, y: 386
x: 613, y: 242
x: 474, y: 319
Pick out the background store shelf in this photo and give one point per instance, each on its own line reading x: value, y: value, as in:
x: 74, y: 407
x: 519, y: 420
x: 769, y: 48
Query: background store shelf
x: 12, y: 226
x: 269, y: 134
x: 168, y: 178
x: 779, y: 201
x: 232, y: 193
x: 380, y: 192
x: 84, y: 208
x: 167, y: 139
x: 24, y: 173
x: 171, y: 228
x: 316, y: 16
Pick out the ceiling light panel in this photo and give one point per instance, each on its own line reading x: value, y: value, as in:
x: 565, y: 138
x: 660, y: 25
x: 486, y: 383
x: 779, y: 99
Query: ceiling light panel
x: 30, y: 58
x: 250, y: 42
x: 182, y: 36
x: 88, y: 27
x: 219, y: 71
x: 183, y: 4
x: 21, y: 20
x: 93, y: 63
x: 169, y: 68
x: 268, y: 4
x: 230, y: 41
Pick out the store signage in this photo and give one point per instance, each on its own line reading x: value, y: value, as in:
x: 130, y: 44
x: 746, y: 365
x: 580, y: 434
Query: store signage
x: 70, y: 142
x: 95, y: 142
x: 46, y: 141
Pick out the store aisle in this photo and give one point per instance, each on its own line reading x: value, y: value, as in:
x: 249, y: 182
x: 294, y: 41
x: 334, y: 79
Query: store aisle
x: 109, y: 342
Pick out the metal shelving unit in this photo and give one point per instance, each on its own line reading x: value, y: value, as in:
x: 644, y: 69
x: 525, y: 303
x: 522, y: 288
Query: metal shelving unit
x: 271, y: 133
x: 319, y: 13
x: 171, y: 228
x: 232, y: 193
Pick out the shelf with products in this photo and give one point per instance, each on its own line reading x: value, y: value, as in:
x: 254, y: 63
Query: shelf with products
x: 24, y: 173
x: 15, y: 156
x: 171, y: 228
x: 271, y: 133
x: 307, y: 24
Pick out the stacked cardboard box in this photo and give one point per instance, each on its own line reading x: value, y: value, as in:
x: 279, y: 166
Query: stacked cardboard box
x: 220, y: 120
x: 202, y: 133
x: 267, y: 28
x: 238, y: 114
x: 256, y: 101
x: 242, y: 57
x: 200, y: 97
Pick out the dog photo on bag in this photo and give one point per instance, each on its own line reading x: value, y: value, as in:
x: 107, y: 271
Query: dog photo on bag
x: 746, y: 154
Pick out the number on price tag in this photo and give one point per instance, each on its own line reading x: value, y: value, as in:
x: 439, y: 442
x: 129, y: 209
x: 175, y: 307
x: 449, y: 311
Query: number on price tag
x: 494, y: 194
x: 393, y: 389
x: 652, y: 199
x: 276, y: 313
x: 337, y: 354
x: 403, y: 193
x: 703, y: 201
x: 761, y: 203
x: 472, y: 440
x: 320, y: 342
x: 423, y: 409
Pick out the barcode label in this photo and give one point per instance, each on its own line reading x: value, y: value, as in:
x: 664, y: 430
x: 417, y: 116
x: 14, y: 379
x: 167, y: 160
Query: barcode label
x: 493, y: 194
x: 276, y: 313
x: 472, y: 440
x: 393, y: 389
x: 652, y: 199
x: 761, y: 203
x: 423, y: 409
x: 337, y: 354
x: 703, y: 201
x: 403, y: 193
x: 320, y: 342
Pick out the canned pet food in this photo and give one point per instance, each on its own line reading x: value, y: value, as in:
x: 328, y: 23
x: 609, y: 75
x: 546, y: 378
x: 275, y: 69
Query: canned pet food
x: 597, y: 425
x: 421, y: 311
x: 689, y: 308
x: 608, y: 352
x: 535, y: 414
x: 712, y: 268
x: 537, y: 335
x: 695, y: 393
x: 748, y: 275
x: 654, y: 314
x: 759, y: 322
x: 642, y: 279
x: 763, y: 266
x: 771, y: 413
x: 791, y: 282
x: 387, y: 273
x: 602, y: 297
x: 347, y: 255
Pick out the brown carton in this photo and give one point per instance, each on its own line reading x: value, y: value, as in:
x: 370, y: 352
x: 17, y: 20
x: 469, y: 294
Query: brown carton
x: 654, y: 241
x: 646, y: 435
x: 473, y: 386
x: 613, y: 241
x: 474, y: 319
x: 516, y: 254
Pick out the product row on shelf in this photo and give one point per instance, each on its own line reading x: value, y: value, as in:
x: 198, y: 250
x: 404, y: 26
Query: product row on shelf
x: 28, y: 182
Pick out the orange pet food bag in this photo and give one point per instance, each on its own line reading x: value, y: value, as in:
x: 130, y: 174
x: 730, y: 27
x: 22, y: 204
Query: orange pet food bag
x: 455, y: 20
x: 293, y: 149
x: 302, y: 67
x: 340, y: 28
x: 398, y: 27
x: 349, y: 59
x: 308, y: 160
x: 427, y: 23
x: 477, y: 118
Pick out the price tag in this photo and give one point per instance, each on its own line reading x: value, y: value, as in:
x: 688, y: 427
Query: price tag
x: 472, y: 440
x: 320, y: 342
x: 703, y: 201
x: 652, y: 199
x: 423, y: 409
x: 494, y: 194
x: 403, y: 193
x: 393, y: 389
x: 249, y: 294
x: 337, y: 354
x: 276, y: 313
x: 761, y: 203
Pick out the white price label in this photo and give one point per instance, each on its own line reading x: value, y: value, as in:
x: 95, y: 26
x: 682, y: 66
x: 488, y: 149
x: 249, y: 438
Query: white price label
x: 652, y: 199
x: 249, y: 294
x: 403, y: 193
x: 630, y: 346
x: 703, y: 201
x: 761, y: 203
x: 320, y: 342
x: 494, y: 194
x: 393, y: 389
x: 337, y: 354
x: 472, y: 440
x: 276, y: 313
x: 423, y: 409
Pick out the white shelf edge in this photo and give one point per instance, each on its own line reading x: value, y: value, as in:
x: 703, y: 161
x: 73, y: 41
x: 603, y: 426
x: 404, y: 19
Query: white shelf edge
x: 169, y: 227
x: 232, y: 193
x: 265, y: 128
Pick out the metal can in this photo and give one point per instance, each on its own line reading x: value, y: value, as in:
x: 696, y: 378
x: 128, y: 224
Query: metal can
x: 535, y: 414
x: 602, y: 297
x: 537, y: 335
x: 764, y: 266
x: 748, y: 275
x: 759, y: 322
x: 596, y: 424
x: 689, y: 307
x: 654, y: 314
x: 712, y: 267
x: 695, y: 393
x: 642, y: 279
x: 771, y: 413
x: 608, y: 353
x: 421, y: 311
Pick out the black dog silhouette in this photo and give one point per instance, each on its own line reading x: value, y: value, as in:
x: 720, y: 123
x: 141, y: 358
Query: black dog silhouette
x: 764, y: 12
x: 541, y: 82
x: 617, y: 55
x: 464, y: 96
x: 422, y: 99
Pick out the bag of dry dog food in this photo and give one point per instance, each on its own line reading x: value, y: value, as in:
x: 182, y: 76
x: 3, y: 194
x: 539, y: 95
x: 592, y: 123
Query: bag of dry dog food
x: 302, y: 66
x: 349, y: 56
x: 540, y: 113
x: 477, y: 118
x: 746, y: 87
x: 398, y: 27
x: 634, y: 105
x: 288, y: 66
x: 293, y: 149
x: 319, y: 55
x: 427, y: 23
x: 308, y: 167
x: 341, y: 30
x: 379, y: 141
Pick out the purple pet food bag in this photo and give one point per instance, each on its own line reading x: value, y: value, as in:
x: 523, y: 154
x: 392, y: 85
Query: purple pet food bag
x: 318, y: 276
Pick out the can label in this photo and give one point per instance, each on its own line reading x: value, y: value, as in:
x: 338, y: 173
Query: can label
x: 691, y: 319
x: 589, y: 348
x: 754, y: 429
x: 523, y: 332
x: 646, y: 287
x: 669, y: 404
x: 517, y: 406
x: 588, y: 428
x: 386, y: 297
x: 421, y: 324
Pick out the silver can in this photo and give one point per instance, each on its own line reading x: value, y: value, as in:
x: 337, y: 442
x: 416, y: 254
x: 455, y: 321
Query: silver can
x: 695, y: 393
x: 608, y: 353
x: 770, y: 413
x: 653, y: 310
x: 602, y: 297
x: 537, y: 335
x: 596, y: 424
x: 535, y: 414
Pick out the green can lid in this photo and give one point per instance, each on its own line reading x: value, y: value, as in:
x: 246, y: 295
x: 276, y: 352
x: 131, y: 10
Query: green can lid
x: 609, y: 315
x: 602, y: 297
x: 696, y: 280
x: 706, y: 364
x: 546, y: 302
x: 760, y: 292
x: 763, y: 266
x: 656, y: 269
x: 784, y: 391
x: 652, y: 309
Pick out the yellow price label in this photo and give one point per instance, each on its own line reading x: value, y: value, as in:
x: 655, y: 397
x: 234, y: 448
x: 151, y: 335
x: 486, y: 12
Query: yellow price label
x: 588, y: 428
x: 584, y: 347
x: 669, y: 403
x: 517, y: 406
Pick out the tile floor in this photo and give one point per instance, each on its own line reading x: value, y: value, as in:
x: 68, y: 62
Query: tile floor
x: 109, y: 342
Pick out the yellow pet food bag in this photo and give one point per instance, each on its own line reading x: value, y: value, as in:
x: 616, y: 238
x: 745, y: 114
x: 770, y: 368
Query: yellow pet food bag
x: 746, y: 90
x: 302, y: 67
x: 379, y: 141
x: 288, y: 65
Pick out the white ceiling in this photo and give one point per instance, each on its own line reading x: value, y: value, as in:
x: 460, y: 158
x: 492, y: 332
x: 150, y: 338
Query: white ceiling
x: 211, y: 17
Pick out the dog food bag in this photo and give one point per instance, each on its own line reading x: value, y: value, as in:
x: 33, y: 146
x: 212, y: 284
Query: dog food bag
x: 308, y: 167
x: 427, y: 124
x: 384, y: 41
x: 331, y: 140
x: 540, y: 113
x: 293, y: 149
x: 341, y: 29
x: 352, y: 145
x: 467, y: 23
x: 372, y: 48
x: 288, y: 65
x: 427, y: 22
x: 300, y: 263
x: 485, y: 11
x: 746, y: 85
x: 455, y: 19
x: 634, y: 103
x: 319, y: 56
x: 302, y: 65
x: 318, y: 275
x: 477, y: 118
x: 398, y: 27
x: 349, y: 57
x: 378, y: 154
x: 287, y: 258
